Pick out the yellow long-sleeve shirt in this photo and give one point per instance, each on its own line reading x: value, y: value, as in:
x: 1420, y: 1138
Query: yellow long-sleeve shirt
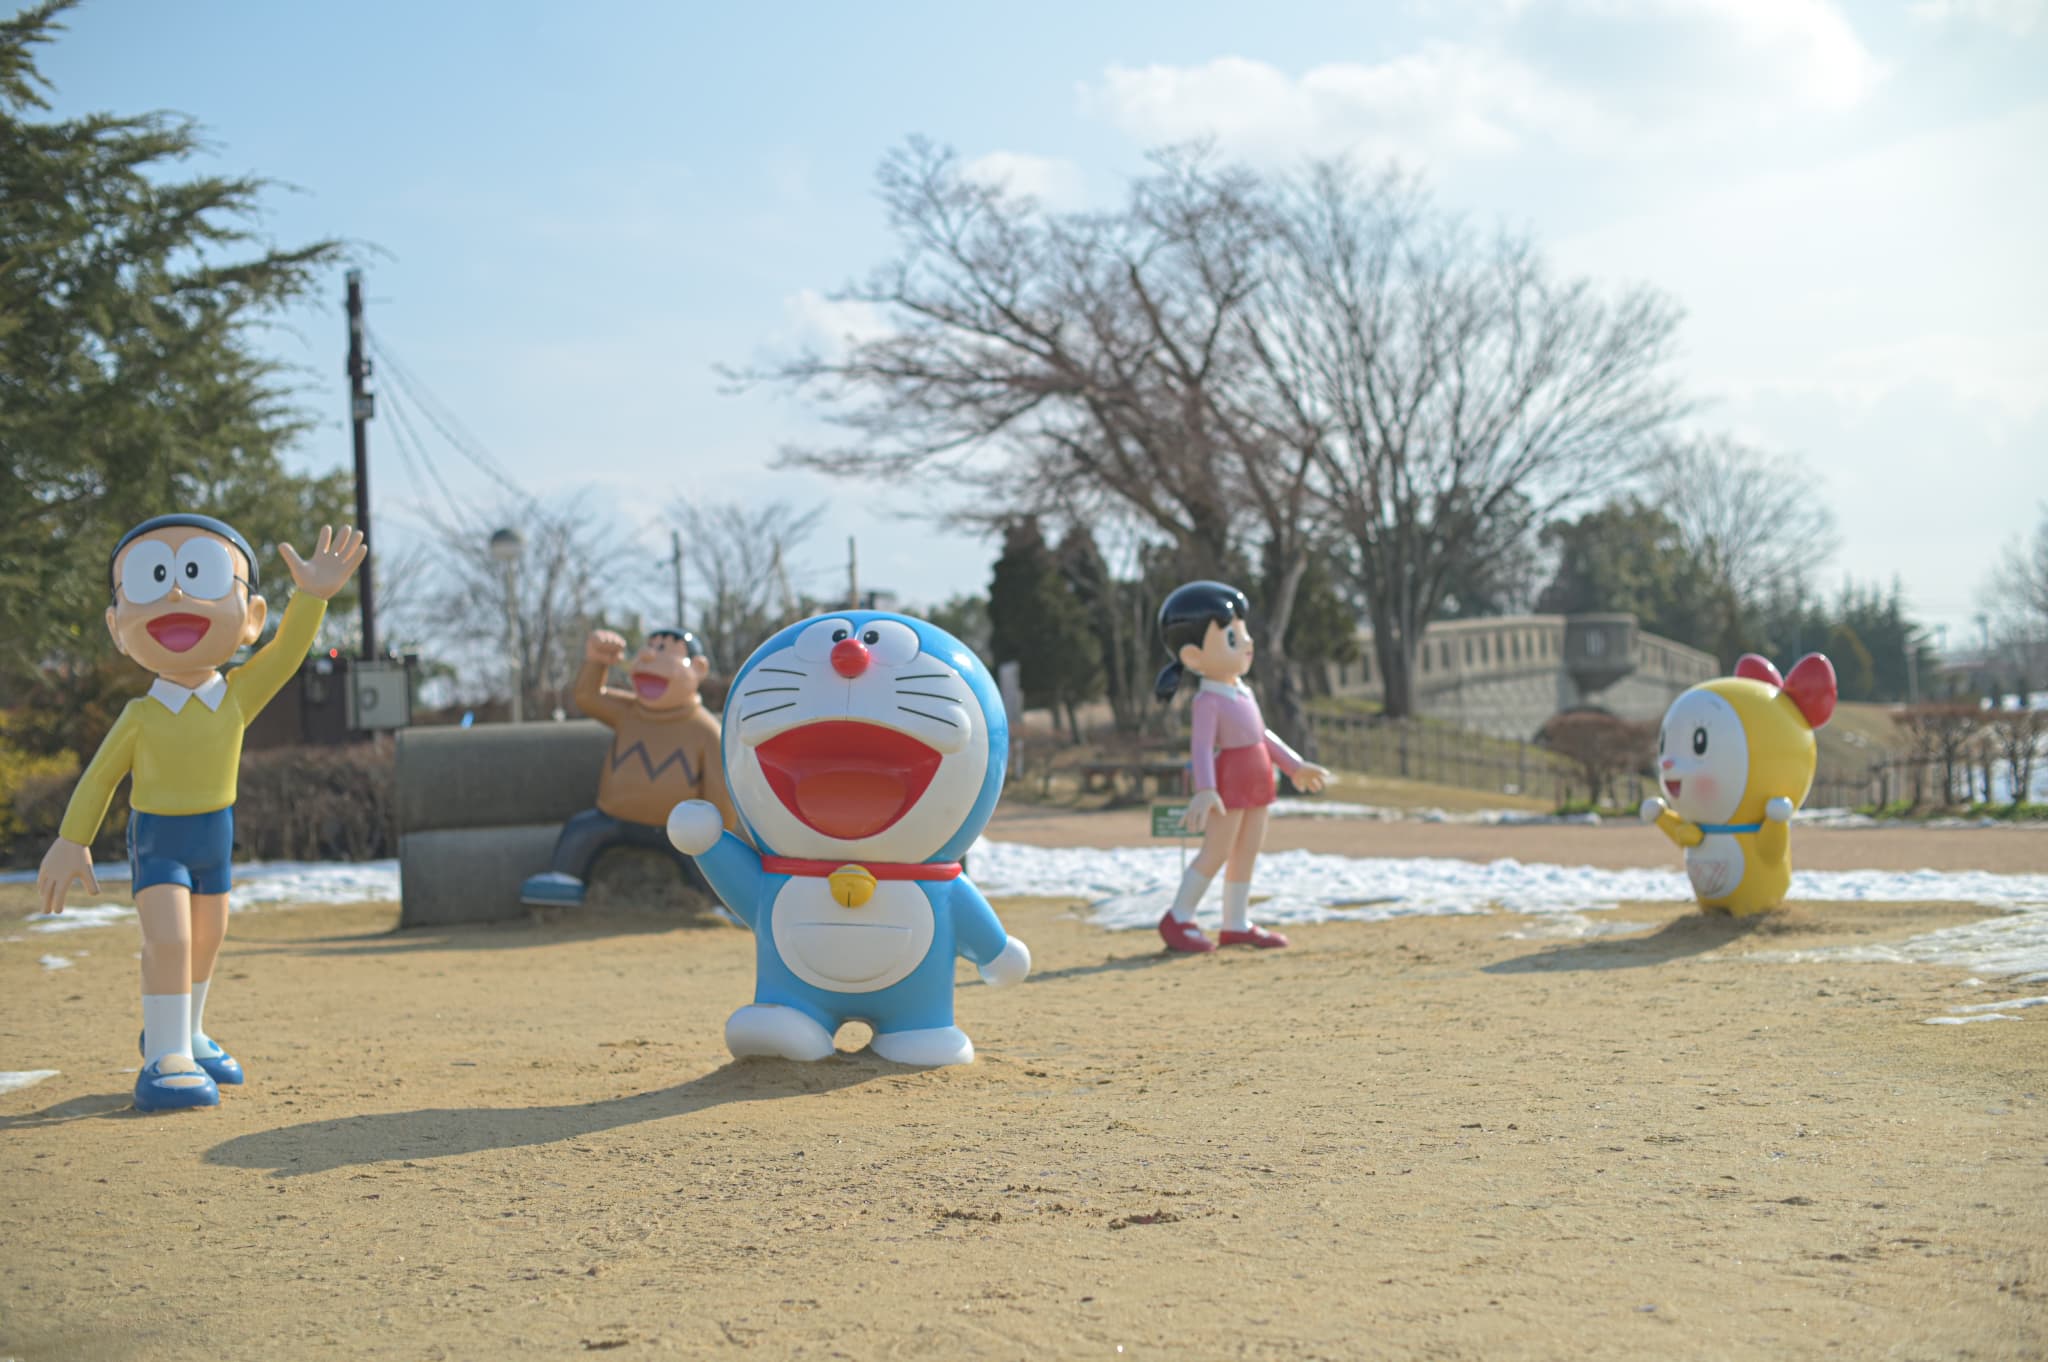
x: 186, y: 761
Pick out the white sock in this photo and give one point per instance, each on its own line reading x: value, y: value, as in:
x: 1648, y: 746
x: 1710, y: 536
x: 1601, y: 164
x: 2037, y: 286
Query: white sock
x: 166, y: 1026
x: 1193, y: 884
x: 1237, y: 906
x: 199, y: 1008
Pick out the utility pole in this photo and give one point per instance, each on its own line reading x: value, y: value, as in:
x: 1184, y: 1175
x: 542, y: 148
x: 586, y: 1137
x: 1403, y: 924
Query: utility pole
x: 675, y: 544
x: 361, y: 407
x: 852, y: 576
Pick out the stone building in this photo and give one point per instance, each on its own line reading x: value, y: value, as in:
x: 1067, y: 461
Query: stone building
x: 1507, y: 675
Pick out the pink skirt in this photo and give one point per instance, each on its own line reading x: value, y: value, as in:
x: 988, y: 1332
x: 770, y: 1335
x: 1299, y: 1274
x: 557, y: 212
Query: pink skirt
x: 1245, y: 777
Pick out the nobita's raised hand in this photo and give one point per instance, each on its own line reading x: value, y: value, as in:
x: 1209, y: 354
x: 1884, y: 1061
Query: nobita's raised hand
x: 335, y: 559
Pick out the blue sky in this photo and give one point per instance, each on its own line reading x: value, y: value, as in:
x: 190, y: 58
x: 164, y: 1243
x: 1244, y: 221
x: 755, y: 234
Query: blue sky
x: 584, y: 213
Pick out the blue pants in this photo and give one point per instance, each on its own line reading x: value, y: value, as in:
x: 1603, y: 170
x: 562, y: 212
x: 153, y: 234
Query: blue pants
x: 593, y: 832
x: 191, y: 849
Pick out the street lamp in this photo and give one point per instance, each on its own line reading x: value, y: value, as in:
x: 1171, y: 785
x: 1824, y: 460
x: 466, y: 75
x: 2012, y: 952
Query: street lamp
x: 506, y: 546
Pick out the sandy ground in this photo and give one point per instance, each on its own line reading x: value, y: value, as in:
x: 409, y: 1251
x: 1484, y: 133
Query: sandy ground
x: 1442, y: 1138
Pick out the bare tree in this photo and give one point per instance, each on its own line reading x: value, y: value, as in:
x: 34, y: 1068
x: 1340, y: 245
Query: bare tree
x: 740, y: 561
x: 517, y: 622
x: 1077, y: 366
x: 1454, y: 396
x: 1940, y: 735
x: 1603, y: 747
x: 1752, y: 522
x: 2017, y: 599
x: 2020, y: 735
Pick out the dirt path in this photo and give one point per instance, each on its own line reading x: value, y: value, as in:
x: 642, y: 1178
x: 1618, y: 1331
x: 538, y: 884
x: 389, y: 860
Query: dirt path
x: 1448, y: 1138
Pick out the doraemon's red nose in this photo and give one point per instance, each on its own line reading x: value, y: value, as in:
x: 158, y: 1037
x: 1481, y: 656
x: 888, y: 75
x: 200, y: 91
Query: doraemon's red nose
x: 849, y: 657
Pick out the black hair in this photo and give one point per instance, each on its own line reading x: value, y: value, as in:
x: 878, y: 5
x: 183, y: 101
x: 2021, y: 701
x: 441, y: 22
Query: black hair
x: 683, y: 636
x: 187, y: 520
x: 1185, y: 618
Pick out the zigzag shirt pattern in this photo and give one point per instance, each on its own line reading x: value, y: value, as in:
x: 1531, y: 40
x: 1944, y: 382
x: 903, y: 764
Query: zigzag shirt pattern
x: 653, y: 772
x: 659, y: 758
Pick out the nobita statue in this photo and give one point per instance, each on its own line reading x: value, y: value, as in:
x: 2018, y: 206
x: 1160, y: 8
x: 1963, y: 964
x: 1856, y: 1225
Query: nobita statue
x: 183, y: 604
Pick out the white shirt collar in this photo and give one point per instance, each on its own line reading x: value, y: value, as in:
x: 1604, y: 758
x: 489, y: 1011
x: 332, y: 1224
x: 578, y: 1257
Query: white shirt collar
x: 1225, y: 687
x: 173, y: 696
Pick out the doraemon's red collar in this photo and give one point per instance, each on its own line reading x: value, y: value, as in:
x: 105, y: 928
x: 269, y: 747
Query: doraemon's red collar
x: 881, y: 870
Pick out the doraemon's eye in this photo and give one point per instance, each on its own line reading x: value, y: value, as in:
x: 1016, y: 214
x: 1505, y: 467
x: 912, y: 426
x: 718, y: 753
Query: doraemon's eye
x: 1699, y: 742
x: 1660, y: 740
x: 814, y: 644
x: 890, y: 643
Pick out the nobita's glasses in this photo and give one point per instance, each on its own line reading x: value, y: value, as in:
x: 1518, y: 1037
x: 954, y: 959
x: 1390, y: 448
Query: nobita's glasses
x: 203, y: 569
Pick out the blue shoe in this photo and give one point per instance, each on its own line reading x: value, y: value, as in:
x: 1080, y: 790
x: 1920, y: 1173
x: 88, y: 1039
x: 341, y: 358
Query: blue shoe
x: 207, y: 1053
x: 552, y: 890
x: 156, y: 1090
x: 220, y: 1066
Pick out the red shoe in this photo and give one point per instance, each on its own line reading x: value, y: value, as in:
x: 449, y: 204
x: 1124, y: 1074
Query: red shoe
x: 1184, y: 937
x: 1254, y: 936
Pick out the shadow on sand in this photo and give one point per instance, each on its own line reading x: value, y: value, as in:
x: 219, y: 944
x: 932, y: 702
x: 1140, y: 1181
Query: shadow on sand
x: 1693, y: 934
x: 442, y: 1132
x: 92, y: 1107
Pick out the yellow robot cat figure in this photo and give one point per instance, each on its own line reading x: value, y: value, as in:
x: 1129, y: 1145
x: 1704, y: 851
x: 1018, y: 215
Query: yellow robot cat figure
x: 1735, y: 757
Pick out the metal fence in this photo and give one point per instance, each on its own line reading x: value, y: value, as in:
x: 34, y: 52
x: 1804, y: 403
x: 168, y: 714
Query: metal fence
x: 1443, y: 755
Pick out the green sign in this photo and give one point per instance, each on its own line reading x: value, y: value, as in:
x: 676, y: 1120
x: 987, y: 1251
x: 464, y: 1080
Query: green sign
x: 1168, y: 820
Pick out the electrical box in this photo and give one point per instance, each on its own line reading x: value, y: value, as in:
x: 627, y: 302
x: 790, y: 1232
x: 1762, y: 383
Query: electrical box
x: 379, y: 695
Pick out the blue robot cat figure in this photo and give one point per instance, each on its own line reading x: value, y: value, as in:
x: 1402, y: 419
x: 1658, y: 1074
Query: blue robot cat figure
x: 864, y: 753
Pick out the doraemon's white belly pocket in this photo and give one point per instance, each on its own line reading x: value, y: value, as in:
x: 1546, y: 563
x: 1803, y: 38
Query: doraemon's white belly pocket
x: 852, y: 950
x: 1715, y: 866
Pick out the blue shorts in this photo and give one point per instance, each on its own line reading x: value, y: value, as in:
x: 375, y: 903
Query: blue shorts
x: 191, y: 849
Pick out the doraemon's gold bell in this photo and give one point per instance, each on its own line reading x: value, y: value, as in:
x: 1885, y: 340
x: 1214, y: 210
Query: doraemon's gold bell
x: 852, y: 885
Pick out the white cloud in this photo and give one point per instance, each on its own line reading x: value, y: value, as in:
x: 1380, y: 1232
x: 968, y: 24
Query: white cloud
x: 1811, y: 42
x: 1443, y: 100
x: 1053, y: 182
x: 1915, y: 262
x: 2017, y: 17
x: 833, y: 325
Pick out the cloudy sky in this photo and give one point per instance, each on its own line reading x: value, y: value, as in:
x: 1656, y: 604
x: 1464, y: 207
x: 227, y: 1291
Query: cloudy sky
x: 580, y: 215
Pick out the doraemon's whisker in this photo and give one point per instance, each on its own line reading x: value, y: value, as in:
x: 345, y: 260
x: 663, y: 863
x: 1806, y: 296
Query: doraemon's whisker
x: 767, y: 690
x: 925, y: 676
x: 927, y: 695
x: 922, y: 715
x: 782, y: 671
x: 770, y: 710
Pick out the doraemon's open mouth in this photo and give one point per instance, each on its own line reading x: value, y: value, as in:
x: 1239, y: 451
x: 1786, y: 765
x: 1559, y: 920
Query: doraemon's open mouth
x: 1672, y: 785
x: 846, y: 779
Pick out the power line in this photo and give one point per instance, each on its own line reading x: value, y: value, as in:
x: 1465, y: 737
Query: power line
x: 407, y: 437
x: 442, y: 419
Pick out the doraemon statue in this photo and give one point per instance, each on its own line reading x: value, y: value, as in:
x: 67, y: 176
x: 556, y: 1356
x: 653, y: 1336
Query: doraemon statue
x: 864, y: 753
x: 1736, y: 756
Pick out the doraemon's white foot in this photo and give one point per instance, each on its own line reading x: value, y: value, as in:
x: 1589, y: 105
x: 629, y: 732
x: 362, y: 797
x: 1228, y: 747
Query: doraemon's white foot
x: 927, y: 1049
x: 775, y: 1031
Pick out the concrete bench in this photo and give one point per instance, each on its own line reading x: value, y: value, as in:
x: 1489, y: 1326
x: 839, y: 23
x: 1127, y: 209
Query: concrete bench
x: 479, y: 810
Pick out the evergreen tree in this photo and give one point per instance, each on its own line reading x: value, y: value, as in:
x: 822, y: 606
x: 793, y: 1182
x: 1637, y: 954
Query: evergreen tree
x: 130, y: 383
x: 1037, y: 621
